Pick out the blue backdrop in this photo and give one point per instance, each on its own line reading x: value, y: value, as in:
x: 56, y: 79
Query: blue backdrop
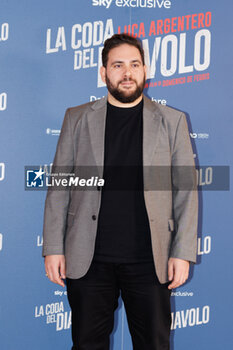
x: 50, y: 56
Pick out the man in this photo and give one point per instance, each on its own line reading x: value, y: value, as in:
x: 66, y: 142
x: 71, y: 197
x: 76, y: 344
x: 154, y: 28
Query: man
x: 138, y: 241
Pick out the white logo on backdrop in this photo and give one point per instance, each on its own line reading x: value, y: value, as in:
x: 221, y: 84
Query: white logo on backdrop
x: 134, y: 3
x: 86, y: 40
x: 3, y: 101
x: 60, y: 293
x: 159, y: 100
x: 54, y: 313
x: 200, y: 135
x: 190, y: 317
x: 182, y: 294
x: 204, y: 245
x: 4, y: 31
x: 39, y: 241
x: 2, y: 171
x: 53, y: 132
x: 205, y: 176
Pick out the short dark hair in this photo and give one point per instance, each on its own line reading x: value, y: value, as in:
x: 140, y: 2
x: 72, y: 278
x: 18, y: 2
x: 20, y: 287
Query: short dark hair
x: 117, y: 40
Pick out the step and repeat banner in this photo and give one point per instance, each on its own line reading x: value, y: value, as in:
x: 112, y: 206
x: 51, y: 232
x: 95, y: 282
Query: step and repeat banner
x: 50, y: 59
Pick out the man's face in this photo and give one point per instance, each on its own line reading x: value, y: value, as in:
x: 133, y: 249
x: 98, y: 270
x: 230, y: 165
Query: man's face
x: 125, y: 74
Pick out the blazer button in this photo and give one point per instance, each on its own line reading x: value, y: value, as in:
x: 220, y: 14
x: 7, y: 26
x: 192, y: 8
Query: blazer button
x: 93, y: 217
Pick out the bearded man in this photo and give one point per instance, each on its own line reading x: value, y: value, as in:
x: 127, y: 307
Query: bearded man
x: 126, y: 237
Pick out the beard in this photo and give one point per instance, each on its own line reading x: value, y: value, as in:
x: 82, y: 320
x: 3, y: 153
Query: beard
x: 125, y: 96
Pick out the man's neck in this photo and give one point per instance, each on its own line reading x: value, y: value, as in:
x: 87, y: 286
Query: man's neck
x: 113, y: 101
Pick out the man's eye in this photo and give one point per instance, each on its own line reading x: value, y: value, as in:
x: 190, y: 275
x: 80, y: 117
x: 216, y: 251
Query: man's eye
x: 135, y: 65
x: 117, y: 66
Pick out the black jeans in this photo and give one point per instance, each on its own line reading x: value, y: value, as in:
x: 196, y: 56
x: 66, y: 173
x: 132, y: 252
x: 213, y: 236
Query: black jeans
x: 94, y: 297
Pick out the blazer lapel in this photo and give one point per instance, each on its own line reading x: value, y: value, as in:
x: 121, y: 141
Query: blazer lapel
x: 96, y: 124
x: 151, y: 128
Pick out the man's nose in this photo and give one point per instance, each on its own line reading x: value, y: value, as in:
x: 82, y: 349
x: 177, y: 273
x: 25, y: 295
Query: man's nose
x: 127, y: 71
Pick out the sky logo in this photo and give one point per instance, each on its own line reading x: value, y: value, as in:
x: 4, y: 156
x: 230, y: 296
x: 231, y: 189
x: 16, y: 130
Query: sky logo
x: 134, y: 3
x: 105, y: 3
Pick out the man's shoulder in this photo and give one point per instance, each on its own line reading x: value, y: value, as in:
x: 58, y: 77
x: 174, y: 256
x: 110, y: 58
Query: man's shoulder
x: 85, y: 107
x: 80, y: 110
x: 170, y: 114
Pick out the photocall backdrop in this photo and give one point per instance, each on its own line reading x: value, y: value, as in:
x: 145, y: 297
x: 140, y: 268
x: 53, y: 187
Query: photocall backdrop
x: 50, y: 57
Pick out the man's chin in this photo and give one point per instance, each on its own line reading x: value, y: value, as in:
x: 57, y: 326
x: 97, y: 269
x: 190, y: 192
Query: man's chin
x: 127, y: 93
x: 126, y: 98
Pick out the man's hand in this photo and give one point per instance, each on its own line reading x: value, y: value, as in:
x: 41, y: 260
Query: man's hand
x: 178, y: 271
x: 55, y: 268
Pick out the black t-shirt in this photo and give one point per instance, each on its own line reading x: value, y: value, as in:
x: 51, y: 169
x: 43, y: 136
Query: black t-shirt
x: 123, y: 232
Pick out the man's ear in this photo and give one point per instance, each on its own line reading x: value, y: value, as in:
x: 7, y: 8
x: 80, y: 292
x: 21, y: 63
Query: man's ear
x: 103, y: 74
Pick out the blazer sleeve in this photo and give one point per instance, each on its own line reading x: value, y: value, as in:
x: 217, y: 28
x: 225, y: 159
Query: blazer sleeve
x: 185, y: 195
x: 57, y: 200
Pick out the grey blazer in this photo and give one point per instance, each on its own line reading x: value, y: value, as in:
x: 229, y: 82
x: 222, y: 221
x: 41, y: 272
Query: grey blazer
x: 71, y: 216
